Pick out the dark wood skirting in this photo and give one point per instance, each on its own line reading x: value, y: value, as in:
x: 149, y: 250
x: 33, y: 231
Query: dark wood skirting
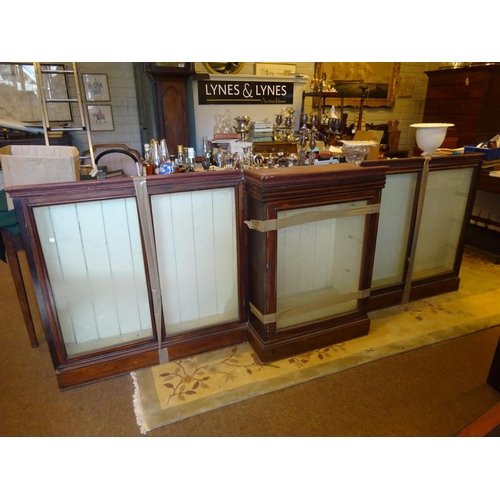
x: 391, y: 296
x: 272, y: 350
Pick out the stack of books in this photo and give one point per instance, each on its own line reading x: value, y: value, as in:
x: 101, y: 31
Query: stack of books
x: 261, y: 132
x: 115, y: 173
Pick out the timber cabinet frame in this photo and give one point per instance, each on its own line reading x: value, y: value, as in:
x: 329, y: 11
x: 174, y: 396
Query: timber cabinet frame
x: 308, y: 276
x: 282, y: 258
x: 453, y: 180
x: 78, y: 367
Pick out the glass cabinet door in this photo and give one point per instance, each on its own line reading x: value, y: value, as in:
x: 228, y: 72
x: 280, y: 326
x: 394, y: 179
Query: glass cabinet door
x: 196, y: 245
x: 393, y: 232
x: 442, y: 220
x: 318, y: 266
x: 93, y: 255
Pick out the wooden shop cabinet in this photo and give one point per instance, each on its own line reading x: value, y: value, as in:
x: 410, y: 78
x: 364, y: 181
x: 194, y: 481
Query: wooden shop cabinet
x: 311, y: 240
x: 440, y: 240
x: 88, y: 259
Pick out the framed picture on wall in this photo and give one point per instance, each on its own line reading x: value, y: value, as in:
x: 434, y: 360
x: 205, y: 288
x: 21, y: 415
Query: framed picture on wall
x: 96, y: 87
x: 273, y: 69
x: 100, y: 118
x: 380, y: 78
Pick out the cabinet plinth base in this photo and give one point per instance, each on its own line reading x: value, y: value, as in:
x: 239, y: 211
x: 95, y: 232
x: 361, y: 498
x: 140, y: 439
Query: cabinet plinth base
x: 124, y: 362
x: 273, y: 350
x: 388, y: 298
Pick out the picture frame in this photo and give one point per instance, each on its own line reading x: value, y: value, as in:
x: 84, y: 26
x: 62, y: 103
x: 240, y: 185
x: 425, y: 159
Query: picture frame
x: 224, y: 68
x: 275, y: 69
x: 380, y: 77
x: 100, y: 117
x: 96, y: 87
x: 19, y: 93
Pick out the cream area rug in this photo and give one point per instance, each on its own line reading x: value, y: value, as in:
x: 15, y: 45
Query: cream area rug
x: 180, y: 389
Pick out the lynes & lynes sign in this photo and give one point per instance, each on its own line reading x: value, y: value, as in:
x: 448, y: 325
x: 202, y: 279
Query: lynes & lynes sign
x: 241, y: 92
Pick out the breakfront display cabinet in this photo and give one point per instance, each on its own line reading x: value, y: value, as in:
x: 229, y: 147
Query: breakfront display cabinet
x: 311, y: 240
x: 288, y: 259
x: 96, y: 289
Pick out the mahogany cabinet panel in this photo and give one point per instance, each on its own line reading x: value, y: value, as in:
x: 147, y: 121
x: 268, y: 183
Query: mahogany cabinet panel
x: 85, y: 246
x: 467, y: 97
x: 311, y: 239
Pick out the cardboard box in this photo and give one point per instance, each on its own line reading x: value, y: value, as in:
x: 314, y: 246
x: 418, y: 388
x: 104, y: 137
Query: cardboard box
x: 23, y: 165
x: 370, y: 135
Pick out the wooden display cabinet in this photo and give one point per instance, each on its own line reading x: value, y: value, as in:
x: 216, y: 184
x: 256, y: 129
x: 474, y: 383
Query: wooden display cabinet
x: 311, y: 240
x: 448, y: 201
x: 290, y: 259
x: 88, y: 260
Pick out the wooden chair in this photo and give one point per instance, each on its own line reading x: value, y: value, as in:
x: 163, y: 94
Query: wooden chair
x: 116, y: 157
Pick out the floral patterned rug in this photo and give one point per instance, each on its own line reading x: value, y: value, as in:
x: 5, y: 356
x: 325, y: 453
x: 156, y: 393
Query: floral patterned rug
x: 180, y: 389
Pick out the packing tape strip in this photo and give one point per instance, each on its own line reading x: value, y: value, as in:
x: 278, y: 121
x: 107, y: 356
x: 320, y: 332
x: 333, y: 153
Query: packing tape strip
x: 420, y: 208
x: 303, y: 218
x: 309, y: 307
x: 146, y: 223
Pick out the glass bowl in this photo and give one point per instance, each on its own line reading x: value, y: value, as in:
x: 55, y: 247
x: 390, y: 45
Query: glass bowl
x: 355, y: 151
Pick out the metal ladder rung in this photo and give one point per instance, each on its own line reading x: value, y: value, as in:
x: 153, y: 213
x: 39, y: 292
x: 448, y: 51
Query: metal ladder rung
x: 65, y: 129
x: 57, y: 71
x: 61, y: 99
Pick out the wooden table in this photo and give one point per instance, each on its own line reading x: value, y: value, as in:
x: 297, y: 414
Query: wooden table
x: 13, y: 245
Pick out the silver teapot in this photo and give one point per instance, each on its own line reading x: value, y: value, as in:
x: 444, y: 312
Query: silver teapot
x: 243, y: 126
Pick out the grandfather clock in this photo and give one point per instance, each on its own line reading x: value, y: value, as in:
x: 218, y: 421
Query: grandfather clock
x: 168, y: 91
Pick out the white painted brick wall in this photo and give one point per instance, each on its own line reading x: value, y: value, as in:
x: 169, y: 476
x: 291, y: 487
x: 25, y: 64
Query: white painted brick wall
x: 125, y: 114
x: 123, y: 105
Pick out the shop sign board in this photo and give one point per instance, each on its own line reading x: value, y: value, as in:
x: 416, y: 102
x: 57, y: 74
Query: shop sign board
x: 244, y: 92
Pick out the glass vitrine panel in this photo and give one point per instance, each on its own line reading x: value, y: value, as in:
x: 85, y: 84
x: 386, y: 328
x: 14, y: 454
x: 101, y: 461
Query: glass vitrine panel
x: 94, y: 260
x: 396, y: 207
x: 318, y: 266
x: 196, y: 242
x: 442, y: 219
